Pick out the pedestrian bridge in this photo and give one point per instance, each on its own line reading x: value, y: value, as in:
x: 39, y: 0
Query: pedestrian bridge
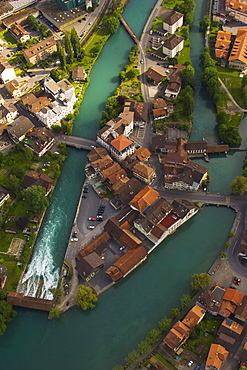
x: 78, y: 142
x: 129, y: 29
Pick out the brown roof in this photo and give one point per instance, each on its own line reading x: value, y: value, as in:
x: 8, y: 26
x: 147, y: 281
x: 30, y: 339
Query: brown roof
x: 234, y: 296
x: 38, y: 179
x: 156, y: 74
x: 173, y: 18
x: 145, y: 198
x: 19, y: 127
x: 39, y: 47
x: 123, y: 236
x: 216, y: 356
x: 93, y: 245
x: 194, y: 316
x: 140, y: 109
x: 158, y: 142
x: 126, y: 263
x: 176, y: 336
x: 128, y: 190
x: 19, y: 299
x: 241, y: 311
x: 226, y: 309
x: 102, y: 163
x: 97, y: 153
x: 142, y: 153
x: 143, y: 170
x: 115, y: 167
x: 117, y: 176
x: 119, y: 184
x: 78, y: 72
x: 196, y: 145
x: 173, y: 41
x: 232, y: 326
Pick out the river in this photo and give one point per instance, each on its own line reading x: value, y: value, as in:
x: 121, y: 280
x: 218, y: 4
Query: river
x: 102, y: 337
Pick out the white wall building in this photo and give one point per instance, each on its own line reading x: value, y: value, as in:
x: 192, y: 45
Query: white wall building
x: 173, y: 22
x: 173, y: 46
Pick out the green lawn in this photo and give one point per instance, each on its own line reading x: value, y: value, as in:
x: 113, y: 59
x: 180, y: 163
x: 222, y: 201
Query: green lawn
x: 171, y: 3
x: 165, y: 362
x: 184, y: 55
x: 6, y: 36
x: 233, y: 82
x: 14, y: 273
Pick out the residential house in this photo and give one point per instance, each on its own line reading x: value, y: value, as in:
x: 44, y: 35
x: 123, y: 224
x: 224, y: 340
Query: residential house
x: 121, y: 147
x: 173, y: 21
x: 121, y: 233
x: 78, y: 74
x: 126, y: 192
x: 176, y: 337
x: 194, y: 316
x: 40, y: 51
x: 158, y: 144
x: 97, y: 245
x: 4, y: 195
x: 174, y: 86
x: 156, y: 75
x: 89, y: 265
x: 13, y: 88
x: 161, y: 108
x: 238, y: 56
x: 127, y: 263
x: 34, y: 103
x: 19, y: 33
x: 140, y: 110
x: 228, y: 333
x: 237, y: 9
x: 33, y: 178
x: 222, y: 45
x: 211, y: 299
x: 8, y: 113
x: 7, y: 72
x: 19, y: 128
x: 241, y: 310
x: 143, y: 154
x: 110, y: 171
x: 96, y: 153
x: 230, y: 301
x: 145, y: 198
x: 116, y: 176
x: 216, y: 356
x: 144, y: 172
x: 173, y: 45
x: 40, y: 140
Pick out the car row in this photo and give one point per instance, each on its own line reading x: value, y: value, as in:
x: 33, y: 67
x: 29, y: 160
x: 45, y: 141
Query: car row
x: 74, y: 237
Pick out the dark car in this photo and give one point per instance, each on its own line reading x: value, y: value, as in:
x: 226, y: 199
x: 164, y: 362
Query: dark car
x: 243, y: 261
x: 85, y: 191
x: 236, y: 281
x: 84, y: 196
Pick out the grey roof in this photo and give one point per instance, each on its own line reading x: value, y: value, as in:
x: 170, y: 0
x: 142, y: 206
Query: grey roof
x: 19, y: 127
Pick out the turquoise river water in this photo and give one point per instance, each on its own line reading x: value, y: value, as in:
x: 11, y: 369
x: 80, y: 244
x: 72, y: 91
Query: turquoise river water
x: 102, y: 337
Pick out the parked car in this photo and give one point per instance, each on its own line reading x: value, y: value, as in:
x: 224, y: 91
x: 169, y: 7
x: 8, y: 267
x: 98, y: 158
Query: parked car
x: 84, y: 196
x: 91, y: 227
x: 92, y: 218
x: 121, y: 248
x: 190, y: 363
x: 85, y: 191
x: 236, y: 281
x: 243, y: 261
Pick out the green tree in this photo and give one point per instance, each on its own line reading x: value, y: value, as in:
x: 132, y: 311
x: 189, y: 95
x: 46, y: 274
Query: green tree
x: 164, y: 324
x: 188, y: 105
x: 58, y: 74
x: 188, y: 77
x: 17, y: 172
x: 153, y: 336
x: 143, y: 347
x: 86, y: 297
x: 209, y: 73
x: 122, y: 75
x: 32, y: 22
x: 231, y: 234
x: 68, y: 47
x: 223, y: 254
x: 185, y: 300
x: 61, y: 55
x: 200, y: 281
x: 1, y: 158
x: 132, y: 73
x: 227, y: 245
x: 175, y: 312
x: 12, y: 183
x: 239, y: 185
x: 131, y: 358
x: 184, y: 126
x: 118, y: 367
x: 7, y: 314
x: 222, y: 118
x: 205, y: 22
x: 75, y: 41
x: 112, y: 103
x: 230, y: 135
x: 43, y: 29
x: 55, y: 313
x: 35, y: 198
x: 112, y: 24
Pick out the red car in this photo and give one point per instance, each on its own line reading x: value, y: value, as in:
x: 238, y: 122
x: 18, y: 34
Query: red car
x: 236, y: 281
x: 92, y: 218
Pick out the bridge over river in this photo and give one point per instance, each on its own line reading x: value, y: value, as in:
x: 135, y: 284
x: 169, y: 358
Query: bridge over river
x: 129, y: 29
x: 77, y: 142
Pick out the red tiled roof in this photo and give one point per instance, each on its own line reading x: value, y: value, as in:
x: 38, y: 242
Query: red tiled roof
x: 121, y: 142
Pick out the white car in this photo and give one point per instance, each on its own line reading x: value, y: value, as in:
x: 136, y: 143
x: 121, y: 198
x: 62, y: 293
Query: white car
x: 190, y: 363
x: 91, y: 227
x: 141, y: 61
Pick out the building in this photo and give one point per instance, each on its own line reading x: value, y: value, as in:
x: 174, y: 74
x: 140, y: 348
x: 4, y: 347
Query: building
x: 7, y: 72
x: 19, y: 128
x: 144, y: 172
x: 173, y: 45
x: 89, y: 265
x: 194, y: 317
x: 121, y: 147
x: 126, y: 191
x: 211, y: 299
x: 156, y: 75
x: 19, y: 299
x: 19, y: 33
x: 78, y: 74
x: 40, y: 51
x: 140, y: 110
x: 230, y: 301
x: 8, y: 113
x: 241, y: 310
x: 13, y: 88
x: 222, y: 45
x: 40, y: 140
x: 70, y: 4
x: 173, y: 21
x: 196, y: 147
x: 216, y: 356
x: 127, y: 263
x: 237, y: 9
x: 3, y: 45
x: 145, y: 198
x: 238, y: 56
x: 4, y: 195
x: 143, y: 154
x: 176, y: 337
x: 33, y: 178
x: 228, y: 333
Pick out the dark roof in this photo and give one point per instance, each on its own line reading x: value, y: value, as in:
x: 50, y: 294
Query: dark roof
x: 140, y: 110
x: 97, y: 245
x: 155, y: 74
x: 96, y: 154
x: 19, y: 127
x: 88, y: 264
x: 225, y: 340
x: 127, y: 192
x: 41, y: 138
x: 241, y: 311
x: 181, y: 207
x: 122, y: 235
x: 158, y: 142
x: 173, y: 18
x: 19, y: 299
x: 196, y: 145
x: 173, y: 41
x: 38, y: 179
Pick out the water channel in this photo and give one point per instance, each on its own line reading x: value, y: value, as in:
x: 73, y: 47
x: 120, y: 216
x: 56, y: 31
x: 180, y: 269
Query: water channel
x: 99, y: 339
